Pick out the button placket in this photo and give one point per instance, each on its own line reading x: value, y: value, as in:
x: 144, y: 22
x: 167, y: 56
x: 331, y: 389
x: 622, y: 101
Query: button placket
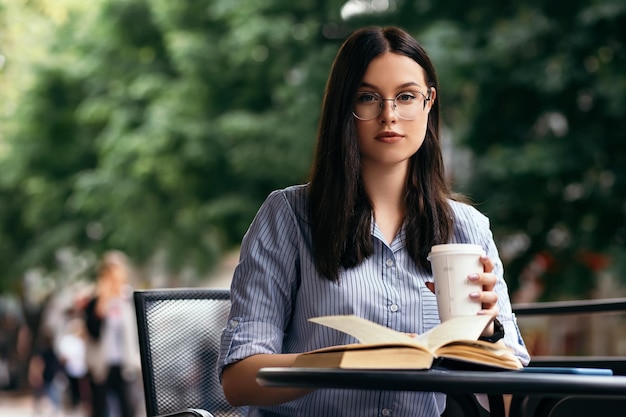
x: 390, y: 264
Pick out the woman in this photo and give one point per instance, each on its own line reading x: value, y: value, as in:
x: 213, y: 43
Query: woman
x: 355, y: 239
x: 112, y: 343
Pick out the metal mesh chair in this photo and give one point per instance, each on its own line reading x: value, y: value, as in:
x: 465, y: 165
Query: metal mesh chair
x: 179, y: 336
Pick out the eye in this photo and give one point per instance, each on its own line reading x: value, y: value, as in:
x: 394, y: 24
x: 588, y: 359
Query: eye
x: 406, y: 97
x: 367, y: 98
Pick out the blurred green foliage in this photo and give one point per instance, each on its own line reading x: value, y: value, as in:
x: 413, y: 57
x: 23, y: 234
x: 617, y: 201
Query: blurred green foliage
x: 159, y: 126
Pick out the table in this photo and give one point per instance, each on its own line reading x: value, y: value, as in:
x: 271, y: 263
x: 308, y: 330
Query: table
x: 522, y: 385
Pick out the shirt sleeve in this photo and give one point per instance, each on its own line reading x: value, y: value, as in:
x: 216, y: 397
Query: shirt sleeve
x: 263, y: 284
x: 473, y: 227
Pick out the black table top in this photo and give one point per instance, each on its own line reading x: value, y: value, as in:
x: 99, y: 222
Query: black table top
x: 500, y: 382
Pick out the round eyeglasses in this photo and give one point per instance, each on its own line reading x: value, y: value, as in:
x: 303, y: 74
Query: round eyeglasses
x: 407, y: 105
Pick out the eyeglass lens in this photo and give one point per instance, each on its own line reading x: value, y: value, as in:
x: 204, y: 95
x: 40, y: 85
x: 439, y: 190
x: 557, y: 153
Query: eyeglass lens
x: 407, y: 105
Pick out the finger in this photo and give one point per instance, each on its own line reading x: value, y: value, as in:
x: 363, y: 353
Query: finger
x: 487, y: 263
x: 487, y: 280
x: 431, y: 286
x: 488, y: 299
x: 493, y: 312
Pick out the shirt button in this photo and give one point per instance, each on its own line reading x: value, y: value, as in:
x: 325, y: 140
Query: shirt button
x: 386, y: 412
x: 394, y: 307
x: 389, y: 262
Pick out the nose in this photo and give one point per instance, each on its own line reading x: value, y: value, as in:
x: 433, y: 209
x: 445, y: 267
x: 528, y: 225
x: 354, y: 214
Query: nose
x: 388, y: 111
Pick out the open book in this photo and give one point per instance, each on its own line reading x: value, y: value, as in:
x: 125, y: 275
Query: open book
x: 453, y: 344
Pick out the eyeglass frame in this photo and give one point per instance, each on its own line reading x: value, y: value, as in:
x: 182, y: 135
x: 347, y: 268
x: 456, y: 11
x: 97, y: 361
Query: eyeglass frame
x: 393, y: 100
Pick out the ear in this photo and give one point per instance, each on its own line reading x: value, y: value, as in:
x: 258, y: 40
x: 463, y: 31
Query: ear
x: 433, y: 95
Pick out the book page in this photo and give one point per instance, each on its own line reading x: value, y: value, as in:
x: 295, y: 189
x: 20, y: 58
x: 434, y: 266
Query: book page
x: 365, y: 331
x: 457, y: 328
x: 480, y: 352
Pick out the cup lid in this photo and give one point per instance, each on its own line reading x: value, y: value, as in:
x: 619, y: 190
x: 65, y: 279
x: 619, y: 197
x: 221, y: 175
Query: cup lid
x: 456, y: 248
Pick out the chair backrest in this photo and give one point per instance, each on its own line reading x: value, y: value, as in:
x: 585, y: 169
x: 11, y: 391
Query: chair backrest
x: 179, y: 337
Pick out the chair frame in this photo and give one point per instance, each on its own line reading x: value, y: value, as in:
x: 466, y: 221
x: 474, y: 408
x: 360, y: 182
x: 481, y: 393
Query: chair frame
x: 141, y: 299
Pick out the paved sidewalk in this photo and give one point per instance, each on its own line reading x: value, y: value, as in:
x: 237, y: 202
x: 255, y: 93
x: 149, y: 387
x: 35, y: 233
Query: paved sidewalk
x: 12, y: 405
x: 16, y: 406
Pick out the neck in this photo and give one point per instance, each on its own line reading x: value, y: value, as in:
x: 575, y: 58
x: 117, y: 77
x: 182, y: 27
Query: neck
x: 386, y: 191
x: 385, y: 186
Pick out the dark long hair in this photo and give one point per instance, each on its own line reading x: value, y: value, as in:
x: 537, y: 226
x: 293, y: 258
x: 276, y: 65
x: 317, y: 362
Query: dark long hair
x: 339, y: 208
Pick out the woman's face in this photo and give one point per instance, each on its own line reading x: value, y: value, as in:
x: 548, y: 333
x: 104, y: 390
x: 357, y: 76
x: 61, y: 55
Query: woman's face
x: 388, y: 139
x: 114, y: 279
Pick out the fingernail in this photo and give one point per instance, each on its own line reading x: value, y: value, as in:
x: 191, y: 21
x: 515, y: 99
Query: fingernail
x: 474, y: 295
x: 473, y: 277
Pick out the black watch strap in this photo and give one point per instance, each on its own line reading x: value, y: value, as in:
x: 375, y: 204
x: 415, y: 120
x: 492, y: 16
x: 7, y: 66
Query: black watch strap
x: 498, y: 332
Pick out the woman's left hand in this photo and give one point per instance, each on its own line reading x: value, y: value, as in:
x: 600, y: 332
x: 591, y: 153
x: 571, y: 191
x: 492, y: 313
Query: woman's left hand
x: 487, y: 296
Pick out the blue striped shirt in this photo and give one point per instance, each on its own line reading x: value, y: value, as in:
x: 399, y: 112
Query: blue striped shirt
x: 276, y: 289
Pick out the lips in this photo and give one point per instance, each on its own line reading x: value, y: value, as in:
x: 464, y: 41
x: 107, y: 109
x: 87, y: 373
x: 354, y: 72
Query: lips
x: 389, y: 136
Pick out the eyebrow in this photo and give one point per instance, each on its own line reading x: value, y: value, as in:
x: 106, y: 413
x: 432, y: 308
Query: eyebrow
x: 405, y: 85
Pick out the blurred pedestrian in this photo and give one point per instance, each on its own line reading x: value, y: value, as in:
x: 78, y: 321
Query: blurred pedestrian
x: 72, y: 352
x: 112, y: 346
x: 45, y: 376
x: 15, y: 344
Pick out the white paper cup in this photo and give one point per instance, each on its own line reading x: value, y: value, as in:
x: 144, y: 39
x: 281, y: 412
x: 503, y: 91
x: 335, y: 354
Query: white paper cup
x: 451, y: 264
